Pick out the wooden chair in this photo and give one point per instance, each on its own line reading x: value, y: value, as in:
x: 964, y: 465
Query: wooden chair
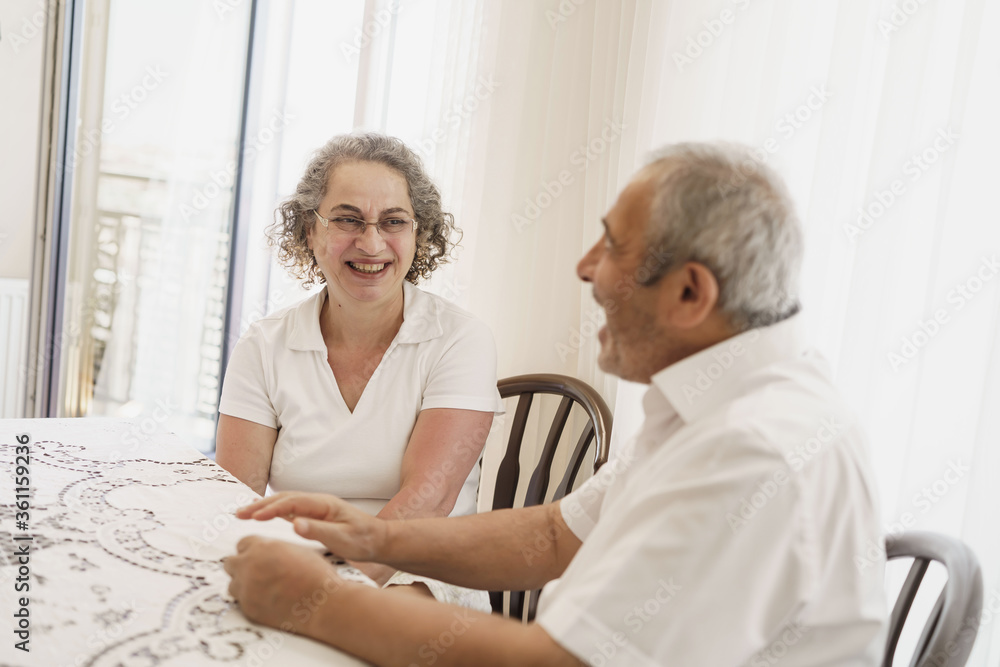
x: 951, y: 628
x: 597, y: 430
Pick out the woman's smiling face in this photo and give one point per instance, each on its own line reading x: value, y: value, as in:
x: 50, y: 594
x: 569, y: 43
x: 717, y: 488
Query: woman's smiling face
x: 367, y: 266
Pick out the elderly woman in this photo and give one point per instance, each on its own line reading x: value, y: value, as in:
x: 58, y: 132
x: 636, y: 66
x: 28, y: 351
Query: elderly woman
x: 370, y: 389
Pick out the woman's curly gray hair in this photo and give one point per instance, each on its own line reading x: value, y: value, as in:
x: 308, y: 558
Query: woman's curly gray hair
x: 294, y: 217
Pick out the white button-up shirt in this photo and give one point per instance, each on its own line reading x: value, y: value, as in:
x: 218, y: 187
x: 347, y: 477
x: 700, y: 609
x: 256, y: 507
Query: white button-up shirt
x: 735, y: 529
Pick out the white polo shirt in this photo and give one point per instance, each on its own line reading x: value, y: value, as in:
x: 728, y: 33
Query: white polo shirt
x: 734, y: 529
x: 278, y: 376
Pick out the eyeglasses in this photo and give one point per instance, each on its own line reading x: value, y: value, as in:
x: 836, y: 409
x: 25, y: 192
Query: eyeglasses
x: 351, y: 225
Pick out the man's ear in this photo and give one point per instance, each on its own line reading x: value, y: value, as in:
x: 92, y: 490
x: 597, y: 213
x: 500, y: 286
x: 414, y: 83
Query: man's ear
x: 688, y: 295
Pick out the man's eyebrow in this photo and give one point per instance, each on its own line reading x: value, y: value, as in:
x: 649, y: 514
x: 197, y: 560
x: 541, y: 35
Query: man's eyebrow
x: 607, y: 230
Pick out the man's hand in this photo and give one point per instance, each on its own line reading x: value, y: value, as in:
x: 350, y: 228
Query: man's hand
x: 294, y: 589
x: 280, y: 584
x: 345, y: 530
x: 492, y: 551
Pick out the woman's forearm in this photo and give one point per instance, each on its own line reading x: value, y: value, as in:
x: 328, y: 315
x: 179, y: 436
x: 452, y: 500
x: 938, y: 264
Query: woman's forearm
x: 500, y: 550
x: 412, y: 502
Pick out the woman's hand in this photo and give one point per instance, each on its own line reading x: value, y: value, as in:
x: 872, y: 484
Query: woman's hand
x: 281, y: 585
x: 343, y: 529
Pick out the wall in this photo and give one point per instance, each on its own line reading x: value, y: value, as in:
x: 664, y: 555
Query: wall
x: 22, y: 42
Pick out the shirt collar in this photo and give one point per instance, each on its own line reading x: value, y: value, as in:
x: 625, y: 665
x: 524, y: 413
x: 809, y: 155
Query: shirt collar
x: 421, y: 320
x: 697, y: 385
x: 421, y: 315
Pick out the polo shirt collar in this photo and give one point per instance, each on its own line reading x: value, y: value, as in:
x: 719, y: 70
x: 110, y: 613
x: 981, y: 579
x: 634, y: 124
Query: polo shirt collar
x: 421, y: 320
x: 697, y: 385
x: 421, y: 315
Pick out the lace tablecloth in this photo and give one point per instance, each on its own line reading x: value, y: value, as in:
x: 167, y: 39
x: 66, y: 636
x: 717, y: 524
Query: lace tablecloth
x: 127, y: 532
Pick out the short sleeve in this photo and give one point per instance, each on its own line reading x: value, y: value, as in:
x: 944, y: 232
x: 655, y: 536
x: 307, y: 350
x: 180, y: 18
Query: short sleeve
x: 581, y: 508
x: 659, y: 559
x: 244, y: 389
x: 465, y: 375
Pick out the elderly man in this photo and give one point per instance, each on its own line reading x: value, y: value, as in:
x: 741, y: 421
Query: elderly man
x: 729, y: 531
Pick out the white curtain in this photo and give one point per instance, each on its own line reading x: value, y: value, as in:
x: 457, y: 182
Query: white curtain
x: 882, y: 118
x: 881, y: 115
x: 893, y: 175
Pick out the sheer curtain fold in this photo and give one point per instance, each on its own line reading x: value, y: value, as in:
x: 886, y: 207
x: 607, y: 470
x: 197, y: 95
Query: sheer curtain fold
x: 545, y: 180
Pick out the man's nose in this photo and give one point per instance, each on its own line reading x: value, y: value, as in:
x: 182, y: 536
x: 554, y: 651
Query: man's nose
x: 585, y: 267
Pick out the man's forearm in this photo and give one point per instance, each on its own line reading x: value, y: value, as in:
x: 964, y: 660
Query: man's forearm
x: 501, y: 550
x: 406, y: 504
x: 389, y: 628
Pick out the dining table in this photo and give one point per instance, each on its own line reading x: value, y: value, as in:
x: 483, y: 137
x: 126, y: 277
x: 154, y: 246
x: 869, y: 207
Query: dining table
x: 113, y: 535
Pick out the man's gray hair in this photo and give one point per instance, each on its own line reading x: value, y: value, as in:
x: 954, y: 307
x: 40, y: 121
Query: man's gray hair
x: 715, y: 204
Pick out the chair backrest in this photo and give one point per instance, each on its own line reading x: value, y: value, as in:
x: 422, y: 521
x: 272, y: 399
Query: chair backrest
x: 951, y: 628
x: 597, y: 430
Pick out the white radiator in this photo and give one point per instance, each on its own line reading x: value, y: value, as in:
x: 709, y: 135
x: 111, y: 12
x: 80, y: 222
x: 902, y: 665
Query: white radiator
x: 13, y: 346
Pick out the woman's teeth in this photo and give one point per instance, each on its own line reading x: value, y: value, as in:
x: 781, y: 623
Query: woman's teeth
x: 366, y: 268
